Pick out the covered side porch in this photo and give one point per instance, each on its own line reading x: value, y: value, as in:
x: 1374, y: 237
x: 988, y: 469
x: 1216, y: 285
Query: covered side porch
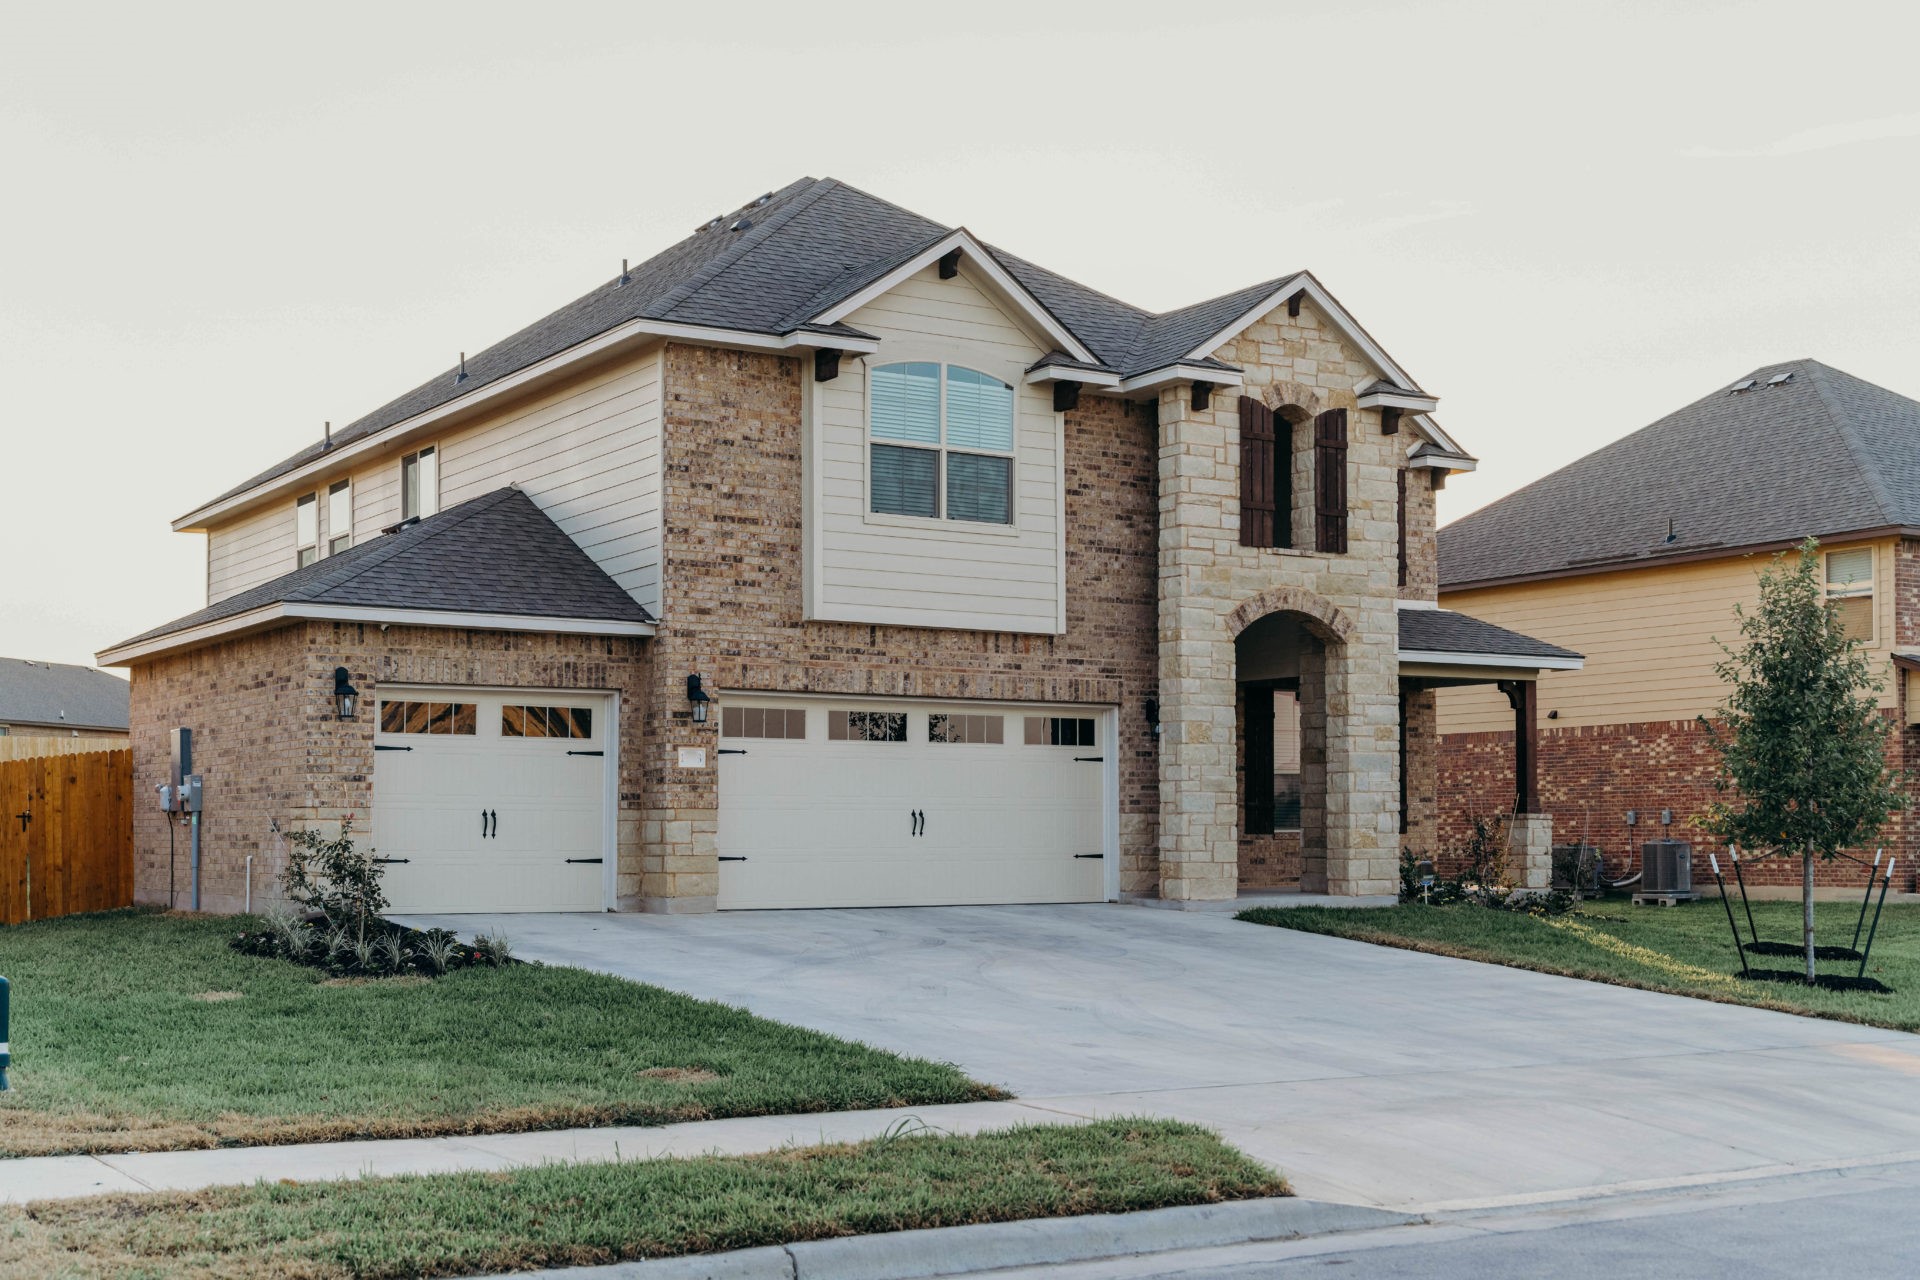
x: 1282, y: 759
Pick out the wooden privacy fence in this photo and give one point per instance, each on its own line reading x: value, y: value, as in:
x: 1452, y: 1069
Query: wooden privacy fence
x: 66, y: 835
x: 18, y: 746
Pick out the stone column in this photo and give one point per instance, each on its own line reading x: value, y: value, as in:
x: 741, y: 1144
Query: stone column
x: 1528, y: 840
x: 1199, y: 836
x: 1363, y: 764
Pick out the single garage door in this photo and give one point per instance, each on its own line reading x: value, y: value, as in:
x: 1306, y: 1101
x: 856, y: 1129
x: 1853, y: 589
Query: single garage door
x: 852, y: 803
x: 492, y: 801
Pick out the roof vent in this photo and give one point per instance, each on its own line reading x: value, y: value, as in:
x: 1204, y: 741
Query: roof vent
x: 763, y: 199
x: 1745, y: 384
x: 740, y: 224
x: 1779, y: 378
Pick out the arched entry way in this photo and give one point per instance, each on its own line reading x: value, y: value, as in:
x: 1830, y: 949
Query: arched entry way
x: 1281, y: 667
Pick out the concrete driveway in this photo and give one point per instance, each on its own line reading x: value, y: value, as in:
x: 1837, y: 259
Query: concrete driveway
x: 1366, y: 1074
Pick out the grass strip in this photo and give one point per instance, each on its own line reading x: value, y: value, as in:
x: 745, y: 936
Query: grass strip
x: 143, y: 1031
x: 1686, y: 950
x: 576, y: 1215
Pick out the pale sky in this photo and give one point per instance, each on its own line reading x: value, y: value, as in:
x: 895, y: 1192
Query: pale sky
x: 223, y: 225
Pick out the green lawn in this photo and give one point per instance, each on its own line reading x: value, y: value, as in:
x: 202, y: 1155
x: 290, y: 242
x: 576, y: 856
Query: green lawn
x: 1685, y: 949
x: 139, y: 1030
x: 567, y: 1215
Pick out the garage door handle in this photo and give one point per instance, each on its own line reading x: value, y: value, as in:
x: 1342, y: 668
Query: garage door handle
x: 1088, y: 759
x: 381, y: 746
x: 389, y: 861
x: 586, y: 859
x: 1089, y: 855
x: 586, y: 753
x: 733, y: 751
x: 735, y: 858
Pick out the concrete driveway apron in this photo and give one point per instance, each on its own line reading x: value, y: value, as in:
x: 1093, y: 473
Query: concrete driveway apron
x: 1366, y: 1074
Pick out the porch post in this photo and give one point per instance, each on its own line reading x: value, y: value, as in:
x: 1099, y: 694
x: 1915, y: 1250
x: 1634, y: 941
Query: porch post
x: 1524, y: 697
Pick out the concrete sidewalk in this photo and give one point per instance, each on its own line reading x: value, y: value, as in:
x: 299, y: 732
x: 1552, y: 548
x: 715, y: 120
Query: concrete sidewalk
x: 68, y: 1177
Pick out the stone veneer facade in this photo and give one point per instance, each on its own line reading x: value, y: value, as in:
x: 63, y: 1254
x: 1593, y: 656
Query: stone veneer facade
x: 1157, y: 590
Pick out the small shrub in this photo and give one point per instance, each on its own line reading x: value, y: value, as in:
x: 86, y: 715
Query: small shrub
x: 335, y: 878
x: 494, y: 948
x: 440, y: 949
x: 394, y: 953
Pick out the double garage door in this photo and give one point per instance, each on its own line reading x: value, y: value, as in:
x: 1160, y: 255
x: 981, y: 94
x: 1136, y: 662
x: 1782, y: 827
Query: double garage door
x: 857, y: 803
x: 492, y: 801
x: 501, y: 801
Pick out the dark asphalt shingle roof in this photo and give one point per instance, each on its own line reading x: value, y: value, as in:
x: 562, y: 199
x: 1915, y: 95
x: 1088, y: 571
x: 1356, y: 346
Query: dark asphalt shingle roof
x: 796, y: 252
x: 498, y: 553
x: 1444, y: 631
x: 1823, y: 454
x: 58, y: 693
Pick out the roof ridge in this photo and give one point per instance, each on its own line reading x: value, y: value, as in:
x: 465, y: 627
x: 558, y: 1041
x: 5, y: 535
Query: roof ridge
x: 1843, y: 425
x: 750, y: 239
x: 427, y: 530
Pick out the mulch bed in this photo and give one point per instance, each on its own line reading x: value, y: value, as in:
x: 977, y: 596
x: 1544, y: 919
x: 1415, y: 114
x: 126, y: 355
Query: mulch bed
x: 1825, y: 981
x: 1796, y: 949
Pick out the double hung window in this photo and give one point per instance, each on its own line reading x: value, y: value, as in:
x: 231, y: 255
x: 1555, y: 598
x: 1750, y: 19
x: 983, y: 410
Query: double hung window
x: 941, y: 442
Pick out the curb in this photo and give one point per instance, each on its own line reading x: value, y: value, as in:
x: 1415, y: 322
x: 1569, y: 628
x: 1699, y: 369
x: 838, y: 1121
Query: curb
x: 994, y: 1246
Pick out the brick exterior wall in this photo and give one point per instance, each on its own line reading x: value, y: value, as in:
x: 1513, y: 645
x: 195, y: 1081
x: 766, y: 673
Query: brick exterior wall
x: 734, y: 608
x: 1158, y: 590
x: 1590, y: 776
x: 272, y: 750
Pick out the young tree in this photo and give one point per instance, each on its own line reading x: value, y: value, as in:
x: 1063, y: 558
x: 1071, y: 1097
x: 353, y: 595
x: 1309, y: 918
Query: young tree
x: 1801, y: 739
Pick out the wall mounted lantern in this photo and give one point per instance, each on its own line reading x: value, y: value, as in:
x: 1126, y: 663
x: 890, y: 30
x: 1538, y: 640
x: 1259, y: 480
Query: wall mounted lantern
x: 1153, y: 716
x: 346, y: 698
x: 699, y: 697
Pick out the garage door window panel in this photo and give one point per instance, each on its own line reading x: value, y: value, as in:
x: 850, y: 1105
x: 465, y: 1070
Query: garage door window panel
x: 451, y: 719
x: 867, y: 726
x: 1060, y: 731
x: 989, y: 730
x: 546, y: 722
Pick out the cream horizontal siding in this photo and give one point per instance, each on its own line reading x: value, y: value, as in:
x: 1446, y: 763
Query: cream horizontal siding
x: 1648, y: 636
x: 935, y: 573
x: 588, y: 454
x: 252, y: 550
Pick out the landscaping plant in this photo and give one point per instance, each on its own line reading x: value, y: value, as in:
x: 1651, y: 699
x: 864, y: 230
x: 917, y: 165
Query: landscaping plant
x: 334, y: 878
x: 1801, y: 740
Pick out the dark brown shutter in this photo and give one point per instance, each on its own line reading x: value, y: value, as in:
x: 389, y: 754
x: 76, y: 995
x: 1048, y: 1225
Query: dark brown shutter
x: 1256, y: 473
x: 1330, y: 481
x: 1256, y: 744
x: 1400, y: 478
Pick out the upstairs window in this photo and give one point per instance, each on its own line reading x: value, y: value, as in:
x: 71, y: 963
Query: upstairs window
x: 339, y: 516
x: 306, y: 530
x: 1850, y: 587
x: 420, y: 484
x: 941, y: 443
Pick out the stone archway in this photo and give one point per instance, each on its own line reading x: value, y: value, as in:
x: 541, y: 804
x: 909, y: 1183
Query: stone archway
x: 1288, y: 642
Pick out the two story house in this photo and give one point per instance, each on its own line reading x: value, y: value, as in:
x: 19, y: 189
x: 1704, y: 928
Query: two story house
x: 1642, y: 550
x: 833, y: 557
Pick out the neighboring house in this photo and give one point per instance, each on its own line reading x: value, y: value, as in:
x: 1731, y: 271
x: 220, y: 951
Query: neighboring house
x: 997, y: 589
x: 1639, y: 553
x: 59, y: 700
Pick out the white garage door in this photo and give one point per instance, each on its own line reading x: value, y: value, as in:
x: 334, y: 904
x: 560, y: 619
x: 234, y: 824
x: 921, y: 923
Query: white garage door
x: 853, y: 803
x: 492, y: 801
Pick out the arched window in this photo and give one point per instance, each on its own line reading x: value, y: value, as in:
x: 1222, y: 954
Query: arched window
x: 940, y: 443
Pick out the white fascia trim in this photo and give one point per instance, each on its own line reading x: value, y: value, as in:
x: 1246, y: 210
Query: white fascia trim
x: 1059, y: 373
x: 1445, y: 462
x: 1172, y: 373
x: 1406, y: 400
x: 1415, y: 604
x: 1305, y: 283
x: 980, y: 260
x: 1429, y: 657
x: 633, y: 332
x: 296, y: 611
